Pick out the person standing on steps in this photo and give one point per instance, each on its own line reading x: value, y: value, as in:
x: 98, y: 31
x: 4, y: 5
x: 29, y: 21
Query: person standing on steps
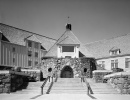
x: 81, y: 76
x: 49, y: 73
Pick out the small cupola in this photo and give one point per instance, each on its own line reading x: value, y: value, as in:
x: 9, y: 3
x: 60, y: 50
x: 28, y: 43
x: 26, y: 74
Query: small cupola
x: 68, y: 27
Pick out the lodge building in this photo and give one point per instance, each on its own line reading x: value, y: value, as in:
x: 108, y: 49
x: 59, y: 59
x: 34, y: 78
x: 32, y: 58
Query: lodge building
x: 21, y: 48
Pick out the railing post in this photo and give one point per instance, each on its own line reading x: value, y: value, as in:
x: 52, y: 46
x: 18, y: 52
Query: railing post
x: 87, y: 88
x: 41, y: 91
x: 52, y: 78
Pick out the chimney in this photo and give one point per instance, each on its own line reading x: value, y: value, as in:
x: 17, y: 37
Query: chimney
x: 68, y: 27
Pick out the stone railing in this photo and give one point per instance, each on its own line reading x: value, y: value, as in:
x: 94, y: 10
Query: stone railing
x: 98, y: 75
x: 5, y: 82
x: 35, y: 74
x: 120, y: 81
x: 11, y: 81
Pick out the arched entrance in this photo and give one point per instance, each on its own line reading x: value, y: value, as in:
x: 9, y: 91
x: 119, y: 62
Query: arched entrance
x: 67, y: 72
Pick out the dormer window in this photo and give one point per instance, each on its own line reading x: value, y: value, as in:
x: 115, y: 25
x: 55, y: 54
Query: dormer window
x: 114, y: 51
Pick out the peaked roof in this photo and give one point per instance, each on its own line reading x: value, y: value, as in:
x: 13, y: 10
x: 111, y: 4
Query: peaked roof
x: 33, y: 38
x: 114, y: 48
x: 17, y: 36
x: 68, y: 40
x: 68, y: 37
x: 101, y: 48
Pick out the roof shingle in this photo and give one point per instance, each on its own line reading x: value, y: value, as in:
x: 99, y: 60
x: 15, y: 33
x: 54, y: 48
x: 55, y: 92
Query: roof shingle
x: 17, y: 36
x: 68, y: 37
x: 101, y: 49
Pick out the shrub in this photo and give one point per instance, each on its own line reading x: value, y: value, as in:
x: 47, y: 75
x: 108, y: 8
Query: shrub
x: 117, y: 70
x: 98, y: 75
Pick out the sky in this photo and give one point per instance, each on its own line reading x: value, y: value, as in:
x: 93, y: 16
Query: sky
x: 92, y: 20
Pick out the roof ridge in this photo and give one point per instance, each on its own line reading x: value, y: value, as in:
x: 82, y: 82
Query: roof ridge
x: 95, y: 41
x: 77, y: 38
x: 28, y: 31
x: 33, y: 36
x: 62, y: 40
x: 108, y: 39
x: 57, y: 41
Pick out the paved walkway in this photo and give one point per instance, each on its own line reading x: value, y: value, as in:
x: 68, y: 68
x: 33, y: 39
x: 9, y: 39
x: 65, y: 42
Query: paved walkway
x: 64, y: 97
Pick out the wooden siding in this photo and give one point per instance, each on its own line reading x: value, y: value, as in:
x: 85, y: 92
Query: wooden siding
x: 16, y: 58
x: 33, y: 49
x: 0, y: 52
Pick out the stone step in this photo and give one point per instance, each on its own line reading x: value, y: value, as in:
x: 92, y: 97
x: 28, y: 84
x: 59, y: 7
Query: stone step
x: 34, y: 88
x: 68, y: 85
x: 101, y: 88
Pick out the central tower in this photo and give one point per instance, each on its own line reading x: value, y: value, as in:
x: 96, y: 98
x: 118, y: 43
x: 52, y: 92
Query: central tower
x: 68, y: 45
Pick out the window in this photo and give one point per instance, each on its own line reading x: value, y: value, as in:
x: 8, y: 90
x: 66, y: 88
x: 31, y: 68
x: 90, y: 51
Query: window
x: 13, y: 61
x: 114, y: 63
x: 67, y: 48
x: 103, y: 64
x: 36, y: 54
x: 29, y: 53
x: 115, y: 52
x: 13, y: 49
x: 29, y: 44
x: 36, y: 45
x: 127, y: 62
x: 36, y: 62
x: 29, y: 63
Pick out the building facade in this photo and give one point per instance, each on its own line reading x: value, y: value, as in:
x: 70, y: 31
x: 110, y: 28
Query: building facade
x: 21, y: 48
x: 112, y: 53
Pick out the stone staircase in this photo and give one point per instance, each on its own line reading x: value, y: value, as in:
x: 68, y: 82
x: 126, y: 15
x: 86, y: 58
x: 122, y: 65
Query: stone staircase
x: 68, y: 86
x: 34, y: 88
x: 101, y: 88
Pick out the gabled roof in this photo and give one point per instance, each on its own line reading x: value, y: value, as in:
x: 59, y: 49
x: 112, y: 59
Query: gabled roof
x: 114, y: 48
x: 33, y: 38
x: 101, y: 48
x: 68, y: 37
x: 68, y: 40
x: 17, y: 36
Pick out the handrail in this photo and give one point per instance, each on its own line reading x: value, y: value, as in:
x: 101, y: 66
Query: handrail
x: 89, y: 90
x: 44, y: 84
x: 48, y: 78
x: 52, y: 82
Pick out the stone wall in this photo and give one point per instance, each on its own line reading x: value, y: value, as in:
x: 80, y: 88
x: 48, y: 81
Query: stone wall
x: 10, y: 82
x: 120, y: 83
x: 98, y: 75
x: 77, y: 64
x: 35, y: 74
x: 5, y: 85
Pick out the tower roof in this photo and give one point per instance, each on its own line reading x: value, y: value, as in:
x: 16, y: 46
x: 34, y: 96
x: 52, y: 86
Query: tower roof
x: 68, y: 37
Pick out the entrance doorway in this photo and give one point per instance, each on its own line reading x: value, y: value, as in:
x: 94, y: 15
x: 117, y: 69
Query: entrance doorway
x: 67, y: 72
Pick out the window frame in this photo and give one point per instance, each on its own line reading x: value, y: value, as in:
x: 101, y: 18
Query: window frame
x: 114, y: 63
x: 36, y: 54
x: 29, y: 63
x: 127, y: 60
x: 36, y: 45
x: 29, y: 53
x: 30, y: 44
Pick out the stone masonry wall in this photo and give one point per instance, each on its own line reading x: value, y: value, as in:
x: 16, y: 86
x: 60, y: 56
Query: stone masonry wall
x: 121, y: 84
x: 77, y: 64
